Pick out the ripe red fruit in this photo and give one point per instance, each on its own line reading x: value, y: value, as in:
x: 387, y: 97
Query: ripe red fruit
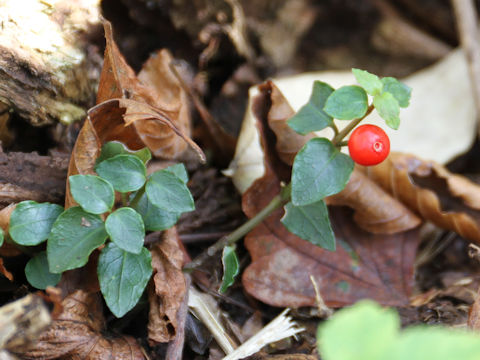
x: 368, y: 145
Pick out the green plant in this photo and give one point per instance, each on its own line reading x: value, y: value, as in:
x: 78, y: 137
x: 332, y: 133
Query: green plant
x: 320, y: 169
x: 368, y: 145
x: 366, y: 331
x: 148, y: 203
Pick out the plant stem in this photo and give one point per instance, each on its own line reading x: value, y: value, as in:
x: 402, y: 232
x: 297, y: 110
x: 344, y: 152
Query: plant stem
x: 351, y: 125
x: 124, y: 199
x: 137, y: 197
x: 342, y: 143
x: 277, y: 202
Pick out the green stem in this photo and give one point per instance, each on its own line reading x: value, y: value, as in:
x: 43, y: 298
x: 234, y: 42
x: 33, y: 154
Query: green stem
x: 124, y: 199
x: 342, y: 143
x: 137, y: 197
x: 277, y: 202
x: 334, y: 128
x: 351, y: 125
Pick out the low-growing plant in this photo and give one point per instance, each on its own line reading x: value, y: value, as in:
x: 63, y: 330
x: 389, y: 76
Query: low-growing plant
x: 366, y: 331
x: 320, y: 169
x: 148, y: 203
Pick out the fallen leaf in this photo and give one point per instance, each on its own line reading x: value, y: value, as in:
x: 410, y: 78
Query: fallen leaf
x: 77, y: 334
x: 168, y: 292
x: 474, y: 314
x: 378, y: 267
x: 448, y: 200
x: 376, y: 211
x: 288, y: 142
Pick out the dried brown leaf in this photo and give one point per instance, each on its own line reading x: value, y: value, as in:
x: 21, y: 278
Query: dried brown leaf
x: 288, y: 141
x: 474, y: 314
x: 448, y: 200
x: 375, y: 210
x: 77, y: 334
x: 4, y: 271
x: 168, y: 292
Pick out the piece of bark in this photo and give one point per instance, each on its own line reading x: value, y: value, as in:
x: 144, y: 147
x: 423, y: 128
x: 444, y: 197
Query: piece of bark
x: 22, y: 321
x: 29, y: 176
x: 49, y: 73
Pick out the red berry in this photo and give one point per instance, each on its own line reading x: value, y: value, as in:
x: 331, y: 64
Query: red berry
x: 368, y: 145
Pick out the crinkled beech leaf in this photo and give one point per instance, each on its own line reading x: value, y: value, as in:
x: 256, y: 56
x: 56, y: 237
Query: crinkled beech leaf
x: 319, y: 170
x: 31, y: 222
x: 94, y: 194
x: 311, y: 223
x: 125, y: 228
x: 123, y: 277
x: 75, y: 234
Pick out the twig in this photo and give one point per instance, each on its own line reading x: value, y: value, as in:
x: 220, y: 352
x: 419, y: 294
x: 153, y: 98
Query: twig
x: 467, y: 24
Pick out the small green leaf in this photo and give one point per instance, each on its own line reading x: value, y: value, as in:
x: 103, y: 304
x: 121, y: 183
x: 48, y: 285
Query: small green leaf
x: 319, y: 170
x: 311, y: 223
x: 231, y: 267
x: 75, y: 234
x: 154, y: 218
x: 388, y: 109
x: 123, y: 277
x: 31, y: 222
x: 125, y: 228
x: 94, y: 194
x: 311, y: 116
x: 125, y: 172
x: 363, y: 332
x: 2, y: 237
x: 168, y: 192
x: 399, y: 90
x: 178, y: 170
x: 38, y: 274
x: 370, y: 82
x: 112, y: 148
x: 347, y: 103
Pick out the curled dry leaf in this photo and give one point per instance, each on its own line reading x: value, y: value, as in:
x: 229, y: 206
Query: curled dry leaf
x: 448, y: 200
x: 154, y: 104
x: 376, y: 211
x: 4, y: 271
x: 169, y: 287
x: 7, y: 249
x: 77, y: 334
x: 288, y: 142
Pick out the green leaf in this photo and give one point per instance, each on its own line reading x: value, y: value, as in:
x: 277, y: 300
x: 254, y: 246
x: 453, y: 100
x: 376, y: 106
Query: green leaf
x: 94, y: 194
x: 370, y: 82
x: 38, y: 274
x: 75, y: 234
x: 123, y: 277
x: 154, y: 218
x: 31, y: 222
x: 347, y: 103
x: 125, y: 172
x: 362, y: 332
x: 319, y: 170
x: 2, y: 237
x: 311, y: 223
x: 399, y: 90
x: 112, y: 148
x: 388, y: 109
x: 125, y: 228
x: 178, y: 170
x: 429, y: 342
x: 231, y: 267
x: 311, y: 116
x: 168, y: 192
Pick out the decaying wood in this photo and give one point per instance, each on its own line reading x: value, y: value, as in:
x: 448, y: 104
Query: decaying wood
x: 21, y: 322
x: 46, y: 74
x: 29, y: 176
